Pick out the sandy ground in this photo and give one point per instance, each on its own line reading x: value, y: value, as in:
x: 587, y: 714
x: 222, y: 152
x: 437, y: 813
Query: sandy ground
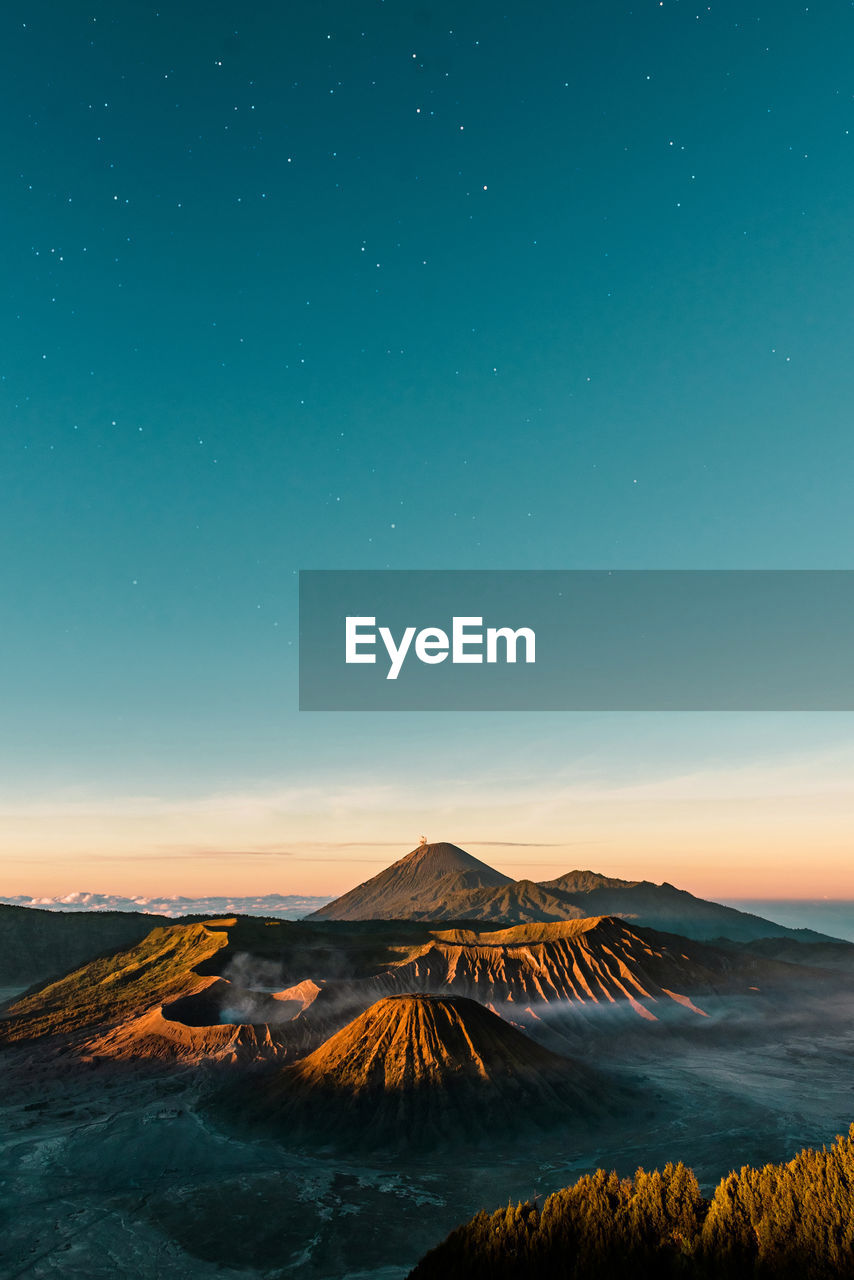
x: 115, y: 1171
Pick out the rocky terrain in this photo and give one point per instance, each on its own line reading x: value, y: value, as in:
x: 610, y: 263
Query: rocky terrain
x: 249, y: 1097
x: 247, y: 990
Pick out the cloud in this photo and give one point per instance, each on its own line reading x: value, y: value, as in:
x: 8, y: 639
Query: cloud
x: 521, y: 844
x: 277, y: 906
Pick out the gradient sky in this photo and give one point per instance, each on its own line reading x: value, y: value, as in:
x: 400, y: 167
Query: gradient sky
x: 359, y: 285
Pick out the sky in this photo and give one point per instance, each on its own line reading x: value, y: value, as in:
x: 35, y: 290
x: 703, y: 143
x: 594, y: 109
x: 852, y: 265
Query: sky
x: 374, y: 285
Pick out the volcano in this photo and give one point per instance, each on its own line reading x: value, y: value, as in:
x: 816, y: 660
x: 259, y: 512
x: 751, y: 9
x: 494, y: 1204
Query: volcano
x: 425, y: 1070
x: 441, y: 882
x: 423, y: 885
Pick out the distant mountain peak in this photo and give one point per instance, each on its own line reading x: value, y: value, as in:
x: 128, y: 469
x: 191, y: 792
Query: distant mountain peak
x: 585, y: 881
x: 442, y: 882
x: 443, y: 857
x: 424, y: 880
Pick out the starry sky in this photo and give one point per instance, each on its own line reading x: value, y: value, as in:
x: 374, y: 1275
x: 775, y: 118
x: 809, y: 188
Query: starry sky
x: 367, y: 285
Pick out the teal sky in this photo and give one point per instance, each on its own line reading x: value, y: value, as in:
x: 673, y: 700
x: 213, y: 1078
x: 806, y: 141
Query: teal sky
x: 374, y: 285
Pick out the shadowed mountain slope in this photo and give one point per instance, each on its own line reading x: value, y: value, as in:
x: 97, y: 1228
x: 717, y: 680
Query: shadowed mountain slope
x: 830, y: 954
x: 519, y: 902
x: 118, y: 986
x: 664, y: 907
x: 36, y: 945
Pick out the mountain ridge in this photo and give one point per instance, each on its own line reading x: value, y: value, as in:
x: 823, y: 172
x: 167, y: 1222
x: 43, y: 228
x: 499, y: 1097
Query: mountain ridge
x: 248, y: 989
x: 37, y: 944
x: 431, y: 884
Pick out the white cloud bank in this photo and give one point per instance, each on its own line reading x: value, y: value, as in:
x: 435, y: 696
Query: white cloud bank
x: 280, y: 906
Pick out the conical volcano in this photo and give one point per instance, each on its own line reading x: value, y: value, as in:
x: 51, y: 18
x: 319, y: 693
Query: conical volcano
x: 423, y: 1070
x: 424, y: 1041
x: 418, y: 886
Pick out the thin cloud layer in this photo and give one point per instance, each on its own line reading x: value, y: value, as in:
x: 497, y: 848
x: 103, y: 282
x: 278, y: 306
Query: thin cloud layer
x: 279, y: 906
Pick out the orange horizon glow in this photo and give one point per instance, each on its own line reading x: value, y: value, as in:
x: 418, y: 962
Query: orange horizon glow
x: 768, y: 870
x: 770, y: 830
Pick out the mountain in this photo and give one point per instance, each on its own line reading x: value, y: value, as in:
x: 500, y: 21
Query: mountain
x: 251, y: 990
x: 828, y: 955
x: 116, y: 986
x: 559, y: 979
x: 664, y: 907
x: 440, y: 882
x: 519, y: 902
x: 157, y: 1000
x: 416, y: 887
x: 579, y: 963
x: 424, y: 1070
x: 584, y: 881
x: 36, y: 945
